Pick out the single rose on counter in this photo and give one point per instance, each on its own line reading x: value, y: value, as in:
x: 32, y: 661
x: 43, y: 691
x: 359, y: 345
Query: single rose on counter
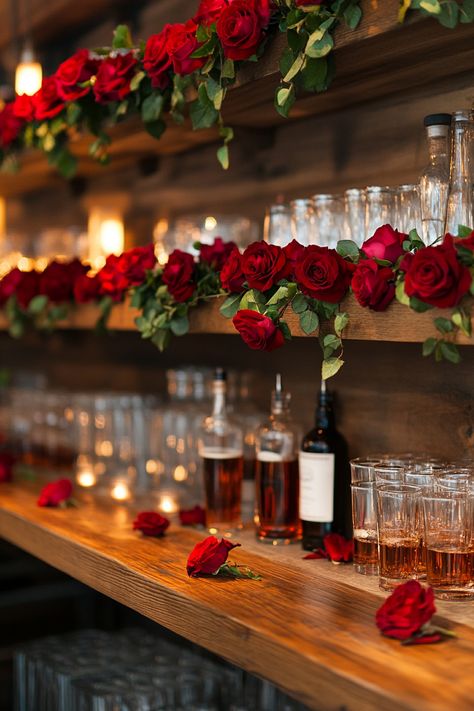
x: 7, y: 461
x: 323, y: 274
x: 73, y: 72
x: 385, y: 244
x: 193, y: 517
x: 435, y: 276
x: 263, y: 265
x: 258, y: 331
x: 241, y: 27
x: 373, y: 286
x: 209, y: 557
x: 151, y: 523
x: 157, y: 61
x: 179, y: 275
x: 113, y: 78
x: 217, y: 253
x: 232, y: 276
x: 57, y: 493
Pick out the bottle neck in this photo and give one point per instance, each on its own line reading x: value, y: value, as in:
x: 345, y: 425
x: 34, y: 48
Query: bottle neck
x: 324, y: 413
x: 219, y: 404
x: 460, y: 147
x: 438, y: 150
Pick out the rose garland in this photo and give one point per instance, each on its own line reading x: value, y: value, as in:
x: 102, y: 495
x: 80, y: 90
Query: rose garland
x: 260, y: 286
x: 196, y: 60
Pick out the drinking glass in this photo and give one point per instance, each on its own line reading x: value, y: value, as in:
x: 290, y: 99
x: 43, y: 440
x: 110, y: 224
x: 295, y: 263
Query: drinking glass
x: 448, y: 532
x: 363, y: 469
x: 303, y: 222
x: 380, y: 208
x: 388, y: 474
x: 408, y: 208
x: 452, y: 481
x: 354, y: 206
x: 329, y: 219
x: 277, y: 226
x: 398, y: 520
x: 364, y: 522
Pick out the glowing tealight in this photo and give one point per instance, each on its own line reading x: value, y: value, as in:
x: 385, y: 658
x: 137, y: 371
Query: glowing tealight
x: 120, y: 491
x: 86, y: 479
x: 180, y: 473
x: 210, y: 223
x: 168, y: 504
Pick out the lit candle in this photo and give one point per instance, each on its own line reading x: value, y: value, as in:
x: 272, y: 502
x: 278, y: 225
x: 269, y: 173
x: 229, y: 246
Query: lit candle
x: 120, y: 491
x: 86, y: 478
x: 168, y: 504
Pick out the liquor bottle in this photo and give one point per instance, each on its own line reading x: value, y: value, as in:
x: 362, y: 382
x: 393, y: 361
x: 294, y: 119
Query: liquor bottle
x: 434, y: 181
x: 324, y: 478
x: 461, y: 173
x: 220, y: 447
x: 276, y: 476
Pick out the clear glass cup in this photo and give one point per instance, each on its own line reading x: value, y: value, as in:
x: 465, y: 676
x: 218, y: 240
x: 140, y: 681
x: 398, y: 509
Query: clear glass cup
x: 448, y: 533
x: 329, y: 211
x: 389, y: 474
x: 362, y: 469
x: 303, y: 221
x: 277, y: 225
x: 380, y: 208
x: 399, y: 528
x: 452, y: 481
x: 354, y: 207
x: 408, y: 208
x: 364, y: 522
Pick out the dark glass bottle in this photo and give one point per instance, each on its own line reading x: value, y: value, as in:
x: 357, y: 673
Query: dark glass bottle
x: 324, y: 478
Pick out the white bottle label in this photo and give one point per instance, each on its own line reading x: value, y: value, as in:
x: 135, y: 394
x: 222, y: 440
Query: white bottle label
x: 316, y: 487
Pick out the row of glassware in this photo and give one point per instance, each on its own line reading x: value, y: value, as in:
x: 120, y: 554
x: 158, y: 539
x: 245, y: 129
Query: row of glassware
x: 413, y: 517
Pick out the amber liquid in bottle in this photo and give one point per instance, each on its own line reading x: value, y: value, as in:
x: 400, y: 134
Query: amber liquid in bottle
x: 223, y: 485
x: 277, y: 499
x: 398, y: 561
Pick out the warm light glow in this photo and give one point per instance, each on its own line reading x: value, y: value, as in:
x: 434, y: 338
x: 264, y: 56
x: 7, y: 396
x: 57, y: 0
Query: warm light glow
x: 41, y: 263
x: 104, y: 448
x: 210, y: 224
x: 28, y: 78
x: 168, y: 504
x: 120, y: 491
x: 86, y: 478
x: 25, y: 264
x: 151, y: 466
x: 180, y: 473
x: 112, y: 236
x: 159, y: 238
x: 106, y: 234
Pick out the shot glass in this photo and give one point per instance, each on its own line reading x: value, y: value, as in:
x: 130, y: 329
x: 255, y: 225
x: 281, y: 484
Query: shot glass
x: 452, y: 480
x: 389, y: 474
x: 448, y: 532
x: 364, y: 521
x: 398, y: 520
x: 363, y: 469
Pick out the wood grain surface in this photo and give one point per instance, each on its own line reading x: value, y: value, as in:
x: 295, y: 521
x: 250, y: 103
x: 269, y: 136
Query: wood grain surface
x: 307, y: 631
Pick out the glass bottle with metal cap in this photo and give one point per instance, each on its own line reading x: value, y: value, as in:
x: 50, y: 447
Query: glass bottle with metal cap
x: 434, y: 181
x: 460, y: 207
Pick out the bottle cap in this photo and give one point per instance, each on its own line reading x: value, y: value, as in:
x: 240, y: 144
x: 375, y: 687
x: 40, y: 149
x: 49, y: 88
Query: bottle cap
x: 437, y: 120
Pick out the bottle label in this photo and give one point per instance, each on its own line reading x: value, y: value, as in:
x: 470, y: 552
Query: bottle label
x: 266, y: 456
x: 316, y: 487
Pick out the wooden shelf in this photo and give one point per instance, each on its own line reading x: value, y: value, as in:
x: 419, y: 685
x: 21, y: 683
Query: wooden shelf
x: 379, y: 59
x: 307, y: 626
x: 397, y: 324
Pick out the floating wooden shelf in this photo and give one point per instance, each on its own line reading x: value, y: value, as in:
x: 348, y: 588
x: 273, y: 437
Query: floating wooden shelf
x: 308, y: 626
x: 379, y: 59
x: 397, y: 324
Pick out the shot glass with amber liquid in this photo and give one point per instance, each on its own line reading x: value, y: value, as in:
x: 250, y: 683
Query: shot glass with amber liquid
x: 364, y: 522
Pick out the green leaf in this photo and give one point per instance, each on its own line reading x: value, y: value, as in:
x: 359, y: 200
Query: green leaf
x: 285, y: 329
x: 419, y: 306
x: 37, y: 304
x: 330, y: 367
x: 352, y: 16
x: 443, y: 325
x: 180, y: 325
x: 450, y: 352
x: 464, y: 231
x: 433, y: 7
x: 348, y: 248
x: 215, y: 93
x: 161, y: 339
x: 280, y: 295
x: 155, y: 128
x: 295, y: 68
x: 340, y: 323
x: 449, y: 15
x: 309, y: 322
x: 314, y: 74
x: 230, y: 306
x: 319, y: 47
x: 467, y: 11
x: 137, y: 80
x: 299, y: 304
x: 284, y: 100
x: 152, y: 107
x: 206, y: 49
x: 400, y: 294
x: 228, y: 69
x: 202, y: 111
x: 122, y: 38
x: 462, y: 320
x: 223, y: 156
x: 428, y: 346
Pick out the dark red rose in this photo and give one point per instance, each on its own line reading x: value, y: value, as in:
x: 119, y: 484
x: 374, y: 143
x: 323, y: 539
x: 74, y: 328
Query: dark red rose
x: 207, y: 556
x: 263, y: 265
x: 157, y: 61
x: 86, y: 289
x: 240, y: 27
x: 113, y: 78
x: 10, y: 125
x: 27, y: 288
x: 47, y: 102
x: 434, y: 275
x: 293, y: 252
x: 216, y: 254
x: 406, y: 610
x: 134, y: 264
x: 386, y: 243
x: 178, y: 275
x: 55, y: 493
x: 303, y: 3
x: 467, y: 242
x: 232, y: 276
x: 58, y: 280
x: 323, y: 274
x: 9, y: 284
x: 150, y: 523
x: 113, y: 283
x: 23, y: 107
x: 259, y: 332
x: 209, y: 11
x: 193, y: 517
x: 6, y: 466
x: 338, y: 548
x: 373, y: 286
x: 182, y: 43
x: 76, y: 70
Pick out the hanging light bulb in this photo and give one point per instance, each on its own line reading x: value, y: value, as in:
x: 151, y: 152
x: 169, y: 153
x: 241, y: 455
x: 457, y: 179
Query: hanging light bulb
x: 106, y: 234
x: 29, y: 73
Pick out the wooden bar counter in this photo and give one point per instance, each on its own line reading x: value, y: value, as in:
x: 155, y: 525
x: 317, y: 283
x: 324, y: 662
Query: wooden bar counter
x: 307, y: 625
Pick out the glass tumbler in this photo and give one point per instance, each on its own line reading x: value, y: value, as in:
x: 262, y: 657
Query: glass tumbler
x: 329, y: 223
x: 399, y: 527
x: 303, y: 222
x: 389, y: 474
x: 409, y: 209
x: 354, y: 208
x: 380, y: 208
x: 364, y: 522
x: 363, y: 469
x: 277, y: 226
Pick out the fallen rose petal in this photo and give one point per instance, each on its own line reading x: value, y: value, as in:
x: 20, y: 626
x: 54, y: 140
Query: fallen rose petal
x: 318, y: 554
x: 339, y: 549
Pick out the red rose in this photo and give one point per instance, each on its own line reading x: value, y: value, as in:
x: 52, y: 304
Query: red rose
x: 135, y: 263
x: 58, y: 280
x: 373, y: 286
x: 386, y: 244
x: 193, y: 517
x: 263, y: 265
x: 10, y: 125
x: 293, y: 253
x: 47, y: 102
x: 467, y: 242
x: 207, y: 556
x: 339, y: 549
x: 9, y: 284
x: 112, y: 282
x: 259, y: 332
x: 209, y: 11
x: 27, y: 288
x: 23, y: 107
x: 240, y: 27
x: 178, y: 275
x: 323, y: 274
x: 232, y: 276
x: 6, y: 466
x: 434, y: 275
x: 86, y: 289
x: 55, y: 493
x: 76, y: 70
x: 406, y: 610
x: 182, y: 43
x: 113, y: 78
x: 150, y: 523
x: 216, y: 254
x: 157, y: 61
x: 303, y: 3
